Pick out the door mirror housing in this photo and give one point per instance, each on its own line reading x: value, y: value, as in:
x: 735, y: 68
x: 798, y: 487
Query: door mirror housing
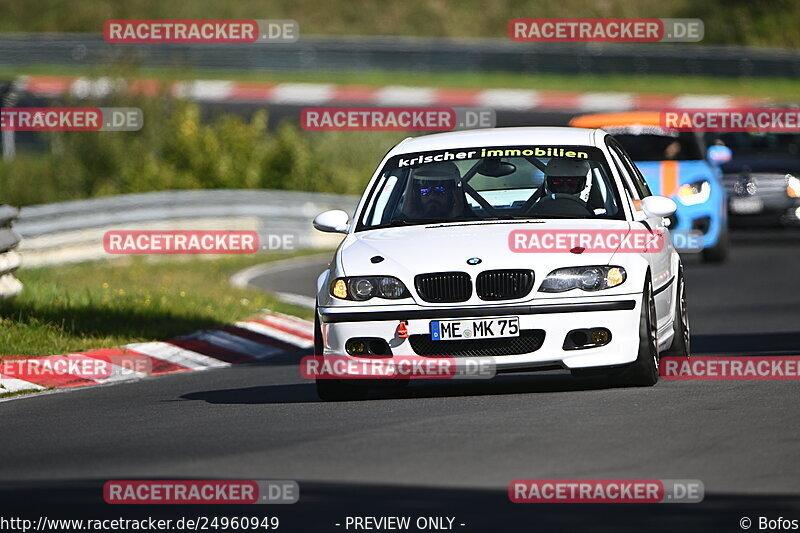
x: 333, y: 221
x: 659, y: 206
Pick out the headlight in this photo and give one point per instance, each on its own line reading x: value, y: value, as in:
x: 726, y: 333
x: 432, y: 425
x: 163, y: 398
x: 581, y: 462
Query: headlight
x: 694, y: 193
x: 587, y: 278
x: 362, y: 288
x: 792, y: 186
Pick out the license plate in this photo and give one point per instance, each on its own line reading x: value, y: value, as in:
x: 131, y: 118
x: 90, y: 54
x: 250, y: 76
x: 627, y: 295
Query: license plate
x: 746, y: 206
x: 475, y: 328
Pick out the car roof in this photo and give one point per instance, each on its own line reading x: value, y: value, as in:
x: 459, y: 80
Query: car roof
x: 545, y: 136
x: 627, y: 118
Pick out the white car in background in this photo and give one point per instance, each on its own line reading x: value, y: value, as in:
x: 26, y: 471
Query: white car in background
x: 428, y: 256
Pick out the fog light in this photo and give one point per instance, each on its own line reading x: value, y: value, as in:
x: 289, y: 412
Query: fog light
x: 355, y: 346
x: 367, y: 347
x: 600, y: 336
x: 582, y: 339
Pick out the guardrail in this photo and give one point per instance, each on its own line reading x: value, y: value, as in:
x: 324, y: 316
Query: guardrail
x: 9, y: 258
x: 73, y: 231
x: 409, y: 54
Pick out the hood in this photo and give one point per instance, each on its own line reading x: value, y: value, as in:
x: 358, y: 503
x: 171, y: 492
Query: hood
x: 408, y: 251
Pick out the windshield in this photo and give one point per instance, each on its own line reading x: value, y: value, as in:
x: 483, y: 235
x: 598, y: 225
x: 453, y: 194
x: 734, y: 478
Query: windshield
x: 755, y: 144
x: 656, y: 144
x: 492, y: 183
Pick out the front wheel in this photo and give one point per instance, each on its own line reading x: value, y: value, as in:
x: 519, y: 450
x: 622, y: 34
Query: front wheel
x: 681, y: 342
x: 644, y: 371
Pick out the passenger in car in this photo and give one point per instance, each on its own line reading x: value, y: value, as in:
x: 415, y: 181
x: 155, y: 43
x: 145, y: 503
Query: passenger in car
x: 566, y: 188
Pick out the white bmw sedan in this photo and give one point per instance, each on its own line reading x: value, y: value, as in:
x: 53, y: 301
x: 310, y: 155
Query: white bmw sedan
x: 541, y: 248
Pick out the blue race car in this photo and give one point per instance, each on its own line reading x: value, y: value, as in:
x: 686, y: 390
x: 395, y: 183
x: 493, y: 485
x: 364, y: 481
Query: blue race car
x: 676, y: 165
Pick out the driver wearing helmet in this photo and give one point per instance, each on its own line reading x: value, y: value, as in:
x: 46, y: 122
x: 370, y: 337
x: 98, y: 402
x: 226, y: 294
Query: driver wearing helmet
x: 566, y: 188
x: 567, y: 176
x: 435, y: 192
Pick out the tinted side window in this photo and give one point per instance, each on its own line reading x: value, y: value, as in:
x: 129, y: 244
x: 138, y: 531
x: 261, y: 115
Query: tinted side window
x: 626, y: 179
x: 638, y: 180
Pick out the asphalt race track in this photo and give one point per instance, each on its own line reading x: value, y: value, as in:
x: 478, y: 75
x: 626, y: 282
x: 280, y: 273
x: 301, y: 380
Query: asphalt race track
x: 445, y: 449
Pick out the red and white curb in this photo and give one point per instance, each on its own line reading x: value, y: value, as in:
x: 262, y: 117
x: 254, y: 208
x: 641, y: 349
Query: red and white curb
x: 254, y: 339
x: 330, y: 94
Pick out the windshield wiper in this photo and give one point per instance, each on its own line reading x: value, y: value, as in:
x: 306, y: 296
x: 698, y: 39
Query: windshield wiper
x: 402, y: 222
x: 556, y: 215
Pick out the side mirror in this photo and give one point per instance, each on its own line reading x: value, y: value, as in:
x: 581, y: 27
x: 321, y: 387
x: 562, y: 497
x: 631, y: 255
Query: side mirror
x: 719, y: 154
x: 334, y: 221
x: 659, y: 206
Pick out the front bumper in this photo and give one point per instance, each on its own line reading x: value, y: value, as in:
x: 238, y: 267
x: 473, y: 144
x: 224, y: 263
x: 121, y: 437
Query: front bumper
x: 707, y: 218
x: 556, y: 317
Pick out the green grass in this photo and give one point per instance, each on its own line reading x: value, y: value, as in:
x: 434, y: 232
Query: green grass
x: 776, y: 88
x: 4, y: 395
x: 79, y: 307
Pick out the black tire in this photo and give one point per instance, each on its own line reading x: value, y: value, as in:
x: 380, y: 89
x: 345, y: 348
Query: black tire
x: 644, y: 371
x: 719, y: 252
x: 333, y: 390
x: 681, y: 343
x: 318, y: 341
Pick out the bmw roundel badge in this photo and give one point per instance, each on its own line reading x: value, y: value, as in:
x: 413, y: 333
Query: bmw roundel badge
x: 473, y: 260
